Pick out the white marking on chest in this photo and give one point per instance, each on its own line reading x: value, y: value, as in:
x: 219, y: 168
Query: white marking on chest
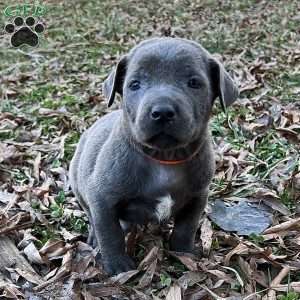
x: 164, y: 207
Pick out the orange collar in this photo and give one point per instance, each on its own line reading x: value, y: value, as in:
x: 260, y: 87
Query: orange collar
x: 173, y: 162
x: 193, y: 150
x: 170, y: 162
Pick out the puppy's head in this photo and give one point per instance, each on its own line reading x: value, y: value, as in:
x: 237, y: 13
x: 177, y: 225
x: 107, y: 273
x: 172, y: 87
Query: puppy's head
x: 168, y: 87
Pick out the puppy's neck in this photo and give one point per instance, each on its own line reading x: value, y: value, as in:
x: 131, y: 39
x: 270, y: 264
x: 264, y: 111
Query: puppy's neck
x: 175, y: 156
x: 172, y: 156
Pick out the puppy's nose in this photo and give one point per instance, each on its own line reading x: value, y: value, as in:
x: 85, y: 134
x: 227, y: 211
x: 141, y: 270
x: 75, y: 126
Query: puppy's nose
x: 162, y: 113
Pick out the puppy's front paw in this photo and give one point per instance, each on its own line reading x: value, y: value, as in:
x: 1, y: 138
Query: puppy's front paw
x: 118, y: 264
x: 181, y: 245
x: 182, y: 248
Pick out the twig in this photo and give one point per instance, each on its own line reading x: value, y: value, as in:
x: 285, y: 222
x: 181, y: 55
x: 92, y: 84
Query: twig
x: 255, y: 293
x: 239, y: 278
x: 17, y: 227
x: 294, y: 286
x: 214, y: 295
x: 276, y: 281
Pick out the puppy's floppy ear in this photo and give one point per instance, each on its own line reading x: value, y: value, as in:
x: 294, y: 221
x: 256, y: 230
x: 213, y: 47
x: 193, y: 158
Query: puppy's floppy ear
x: 222, y: 84
x: 114, y: 82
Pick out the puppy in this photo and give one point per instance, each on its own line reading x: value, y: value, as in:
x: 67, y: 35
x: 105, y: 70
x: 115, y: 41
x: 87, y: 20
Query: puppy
x: 152, y: 159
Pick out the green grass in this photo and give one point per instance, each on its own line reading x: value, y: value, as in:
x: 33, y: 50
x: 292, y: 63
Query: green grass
x: 70, y: 144
x: 288, y: 199
x: 44, y: 234
x: 77, y: 224
x: 165, y: 280
x: 290, y: 296
x: 57, y: 207
x: 256, y: 239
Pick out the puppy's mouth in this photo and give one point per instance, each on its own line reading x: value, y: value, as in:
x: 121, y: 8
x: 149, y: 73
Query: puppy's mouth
x: 163, y: 141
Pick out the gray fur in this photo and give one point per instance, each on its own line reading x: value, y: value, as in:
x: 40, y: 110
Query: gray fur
x: 115, y: 174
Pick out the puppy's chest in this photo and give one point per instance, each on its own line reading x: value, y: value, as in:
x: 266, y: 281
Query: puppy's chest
x: 164, y: 180
x: 164, y: 185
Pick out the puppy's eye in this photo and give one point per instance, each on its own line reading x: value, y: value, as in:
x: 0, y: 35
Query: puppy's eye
x: 194, y: 83
x: 134, y: 85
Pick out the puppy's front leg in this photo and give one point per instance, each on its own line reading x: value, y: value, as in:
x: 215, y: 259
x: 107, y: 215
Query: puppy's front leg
x: 110, y: 238
x: 186, y: 223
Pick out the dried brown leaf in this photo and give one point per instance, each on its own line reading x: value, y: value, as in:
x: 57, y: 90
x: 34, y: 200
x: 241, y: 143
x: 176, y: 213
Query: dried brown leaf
x: 8, y: 152
x: 206, y: 236
x: 29, y: 276
x: 221, y: 275
x: 124, y: 277
x: 150, y: 257
x: 33, y: 254
x: 186, y: 259
x: 294, y: 223
x: 146, y: 279
x: 239, y: 249
x: 10, y: 199
x: 54, y: 248
x: 104, y: 290
x: 174, y: 293
x: 64, y: 270
x: 190, y: 278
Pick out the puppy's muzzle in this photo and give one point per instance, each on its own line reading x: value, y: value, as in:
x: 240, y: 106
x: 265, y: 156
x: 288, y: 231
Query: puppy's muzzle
x: 162, y: 118
x: 162, y: 113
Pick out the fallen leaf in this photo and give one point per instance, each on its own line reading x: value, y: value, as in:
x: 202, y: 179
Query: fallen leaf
x: 9, y: 199
x: 8, y: 152
x: 64, y: 270
x: 294, y: 223
x: 124, y: 277
x: 174, y: 293
x: 29, y: 276
x: 275, y: 204
x: 186, y: 259
x: 190, y: 278
x: 146, y: 279
x: 149, y: 258
x: 206, y: 236
x: 239, y: 249
x: 33, y: 254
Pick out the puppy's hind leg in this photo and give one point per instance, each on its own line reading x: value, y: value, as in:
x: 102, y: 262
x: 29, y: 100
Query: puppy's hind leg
x: 110, y: 236
x: 91, y: 240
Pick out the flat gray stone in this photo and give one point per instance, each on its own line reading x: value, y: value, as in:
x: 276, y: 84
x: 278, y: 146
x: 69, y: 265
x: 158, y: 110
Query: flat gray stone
x: 243, y: 217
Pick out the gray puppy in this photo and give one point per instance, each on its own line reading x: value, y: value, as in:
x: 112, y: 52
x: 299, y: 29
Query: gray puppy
x: 152, y: 159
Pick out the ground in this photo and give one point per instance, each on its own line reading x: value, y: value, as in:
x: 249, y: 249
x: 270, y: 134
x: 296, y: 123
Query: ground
x: 50, y: 94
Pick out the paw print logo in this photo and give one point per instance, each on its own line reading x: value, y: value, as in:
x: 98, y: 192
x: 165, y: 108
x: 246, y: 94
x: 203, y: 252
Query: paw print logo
x: 24, y: 32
